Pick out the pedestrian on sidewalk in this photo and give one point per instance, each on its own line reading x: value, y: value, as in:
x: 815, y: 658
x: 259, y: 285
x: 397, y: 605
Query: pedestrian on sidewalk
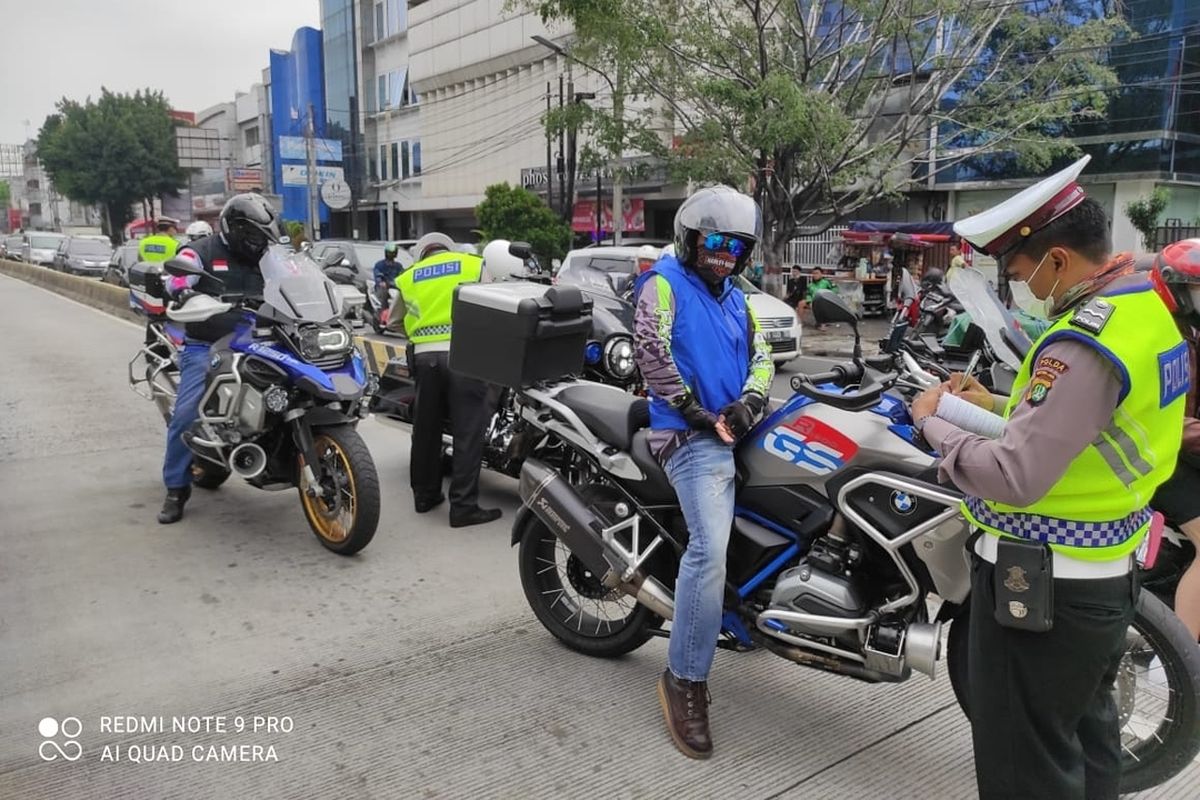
x: 817, y: 282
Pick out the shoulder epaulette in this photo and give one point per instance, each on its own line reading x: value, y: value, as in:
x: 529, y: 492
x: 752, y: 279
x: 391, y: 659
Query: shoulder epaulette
x: 1093, y: 315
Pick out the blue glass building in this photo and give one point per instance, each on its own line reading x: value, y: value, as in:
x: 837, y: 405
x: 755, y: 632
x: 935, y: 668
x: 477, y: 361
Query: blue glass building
x: 297, y: 84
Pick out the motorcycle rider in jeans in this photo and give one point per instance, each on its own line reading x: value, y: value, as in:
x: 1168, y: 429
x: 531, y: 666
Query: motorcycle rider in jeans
x: 1179, y: 497
x: 386, y: 270
x: 709, y: 371
x: 248, y: 224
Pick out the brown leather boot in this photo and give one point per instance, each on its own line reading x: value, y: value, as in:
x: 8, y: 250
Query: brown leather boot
x: 685, y: 707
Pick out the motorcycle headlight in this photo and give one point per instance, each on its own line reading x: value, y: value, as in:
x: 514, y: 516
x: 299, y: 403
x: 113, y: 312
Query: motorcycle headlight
x: 317, y: 342
x: 618, y: 358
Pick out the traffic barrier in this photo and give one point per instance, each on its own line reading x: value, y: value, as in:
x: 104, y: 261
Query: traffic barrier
x: 89, y: 291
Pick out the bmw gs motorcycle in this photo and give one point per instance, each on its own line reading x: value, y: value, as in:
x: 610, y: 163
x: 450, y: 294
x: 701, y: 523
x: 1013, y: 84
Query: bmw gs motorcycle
x: 845, y: 554
x: 283, y: 396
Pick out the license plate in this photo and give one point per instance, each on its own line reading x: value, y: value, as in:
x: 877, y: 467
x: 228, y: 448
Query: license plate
x: 778, y: 336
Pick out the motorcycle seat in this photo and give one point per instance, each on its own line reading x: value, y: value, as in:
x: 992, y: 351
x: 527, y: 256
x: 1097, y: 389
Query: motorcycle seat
x: 612, y: 414
x: 656, y: 489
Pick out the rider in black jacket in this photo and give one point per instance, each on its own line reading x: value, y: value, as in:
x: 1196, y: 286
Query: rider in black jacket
x: 248, y: 224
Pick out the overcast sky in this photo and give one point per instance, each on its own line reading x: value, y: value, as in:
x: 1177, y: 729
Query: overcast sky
x: 197, y: 52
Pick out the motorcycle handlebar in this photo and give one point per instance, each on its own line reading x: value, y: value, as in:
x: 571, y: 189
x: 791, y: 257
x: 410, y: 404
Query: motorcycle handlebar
x: 841, y: 373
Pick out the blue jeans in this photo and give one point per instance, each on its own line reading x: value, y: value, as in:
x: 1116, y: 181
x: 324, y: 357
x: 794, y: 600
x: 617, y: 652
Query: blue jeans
x: 193, y: 368
x: 702, y: 472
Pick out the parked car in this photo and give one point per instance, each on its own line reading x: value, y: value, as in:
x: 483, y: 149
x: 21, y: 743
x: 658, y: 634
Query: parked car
x: 360, y: 255
x: 117, y: 271
x: 10, y: 247
x: 83, y: 255
x: 613, y: 269
x: 39, y: 247
x: 631, y: 241
x: 778, y: 321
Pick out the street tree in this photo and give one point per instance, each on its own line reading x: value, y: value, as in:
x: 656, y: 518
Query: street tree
x: 820, y: 108
x: 516, y: 214
x: 115, y: 151
x: 1145, y: 212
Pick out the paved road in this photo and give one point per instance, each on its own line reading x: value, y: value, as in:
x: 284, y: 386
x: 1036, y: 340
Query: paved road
x: 412, y: 670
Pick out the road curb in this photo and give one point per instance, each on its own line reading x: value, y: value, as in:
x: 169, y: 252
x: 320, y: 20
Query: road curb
x: 89, y: 291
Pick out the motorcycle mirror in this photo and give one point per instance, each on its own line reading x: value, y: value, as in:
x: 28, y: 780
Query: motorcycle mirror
x: 182, y: 267
x: 829, y: 307
x: 522, y: 250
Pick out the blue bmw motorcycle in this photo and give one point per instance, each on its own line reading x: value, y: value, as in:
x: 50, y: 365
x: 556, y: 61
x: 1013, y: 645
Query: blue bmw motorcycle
x: 283, y: 397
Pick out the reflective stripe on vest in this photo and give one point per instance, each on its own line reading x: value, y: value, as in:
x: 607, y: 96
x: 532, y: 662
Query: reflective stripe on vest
x: 157, y: 248
x: 1097, y: 510
x: 428, y: 291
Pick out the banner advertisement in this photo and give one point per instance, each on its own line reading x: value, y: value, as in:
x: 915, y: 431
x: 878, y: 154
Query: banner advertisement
x: 583, y: 218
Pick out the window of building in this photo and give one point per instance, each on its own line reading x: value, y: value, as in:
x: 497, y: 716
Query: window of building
x: 32, y: 184
x: 252, y: 136
x: 416, y: 157
x: 380, y: 29
x: 404, y: 167
x: 35, y: 209
x: 397, y: 17
x: 383, y: 169
x: 395, y: 160
x: 397, y: 83
x: 382, y: 91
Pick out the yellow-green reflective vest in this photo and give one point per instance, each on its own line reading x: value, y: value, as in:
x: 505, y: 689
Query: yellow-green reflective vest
x: 428, y: 291
x: 1097, y: 511
x: 157, y: 247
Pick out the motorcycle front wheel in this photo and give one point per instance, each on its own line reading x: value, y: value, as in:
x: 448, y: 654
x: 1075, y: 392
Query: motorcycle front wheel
x: 572, y: 604
x: 346, y: 513
x: 1157, y: 693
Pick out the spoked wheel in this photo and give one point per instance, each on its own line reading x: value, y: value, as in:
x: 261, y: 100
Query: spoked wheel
x: 346, y: 513
x: 1158, y: 697
x: 571, y: 603
x: 1157, y: 693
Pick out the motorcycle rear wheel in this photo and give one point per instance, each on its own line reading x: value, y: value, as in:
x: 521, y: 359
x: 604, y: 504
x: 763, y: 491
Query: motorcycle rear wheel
x: 572, y: 604
x: 1159, y: 651
x: 345, y: 516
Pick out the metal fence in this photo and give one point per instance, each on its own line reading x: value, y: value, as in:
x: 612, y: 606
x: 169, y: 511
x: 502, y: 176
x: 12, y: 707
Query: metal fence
x: 816, y: 250
x: 1173, y: 233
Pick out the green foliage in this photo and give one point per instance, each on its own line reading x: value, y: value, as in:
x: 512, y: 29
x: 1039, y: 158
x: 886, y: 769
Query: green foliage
x: 821, y: 108
x: 5, y: 195
x: 113, y: 151
x: 514, y: 213
x: 1145, y: 212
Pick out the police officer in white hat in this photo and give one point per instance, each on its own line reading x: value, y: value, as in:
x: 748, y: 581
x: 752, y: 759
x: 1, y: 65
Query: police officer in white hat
x: 1058, y: 502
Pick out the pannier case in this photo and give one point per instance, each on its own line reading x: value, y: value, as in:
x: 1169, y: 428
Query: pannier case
x: 518, y: 334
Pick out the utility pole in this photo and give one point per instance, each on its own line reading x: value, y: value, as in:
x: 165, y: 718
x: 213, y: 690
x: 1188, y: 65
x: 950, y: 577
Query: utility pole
x: 549, y: 156
x: 569, y: 197
x: 354, y: 156
x: 310, y: 152
x: 599, y: 209
x: 618, y: 202
x: 562, y: 188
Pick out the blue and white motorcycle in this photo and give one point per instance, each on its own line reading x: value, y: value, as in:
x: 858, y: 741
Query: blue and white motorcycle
x: 284, y: 394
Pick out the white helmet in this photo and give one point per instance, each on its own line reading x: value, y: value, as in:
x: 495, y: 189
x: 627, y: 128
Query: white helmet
x: 198, y: 230
x: 669, y: 250
x: 498, y: 263
x: 647, y: 254
x: 431, y: 242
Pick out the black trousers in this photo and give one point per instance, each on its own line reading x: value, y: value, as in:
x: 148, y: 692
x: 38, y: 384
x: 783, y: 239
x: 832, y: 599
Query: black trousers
x: 1043, y: 713
x: 442, y: 395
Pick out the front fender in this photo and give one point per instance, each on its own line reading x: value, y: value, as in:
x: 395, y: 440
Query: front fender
x: 319, y: 416
x: 519, y: 522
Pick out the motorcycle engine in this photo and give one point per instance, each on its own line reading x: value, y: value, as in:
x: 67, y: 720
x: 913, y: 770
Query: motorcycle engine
x: 823, y: 584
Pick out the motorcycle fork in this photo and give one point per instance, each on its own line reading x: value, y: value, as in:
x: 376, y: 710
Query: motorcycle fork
x: 303, y: 438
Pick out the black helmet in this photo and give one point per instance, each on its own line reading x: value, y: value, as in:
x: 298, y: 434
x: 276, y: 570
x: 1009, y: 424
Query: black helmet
x: 717, y: 210
x: 249, y: 225
x: 932, y: 277
x: 390, y: 250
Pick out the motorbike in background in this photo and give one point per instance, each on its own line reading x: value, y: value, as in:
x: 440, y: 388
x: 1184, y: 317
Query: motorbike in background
x: 283, y: 396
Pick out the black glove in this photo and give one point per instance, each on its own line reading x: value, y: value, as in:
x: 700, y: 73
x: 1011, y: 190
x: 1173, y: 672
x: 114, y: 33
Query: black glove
x: 696, y: 415
x: 741, y: 414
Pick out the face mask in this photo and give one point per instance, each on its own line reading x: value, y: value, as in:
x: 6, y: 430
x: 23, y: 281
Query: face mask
x: 1027, y: 301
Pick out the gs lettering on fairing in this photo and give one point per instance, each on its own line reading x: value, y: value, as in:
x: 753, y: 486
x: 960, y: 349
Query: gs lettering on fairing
x: 810, y: 444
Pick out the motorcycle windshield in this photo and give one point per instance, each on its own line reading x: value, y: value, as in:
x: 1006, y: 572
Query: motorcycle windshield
x: 997, y: 323
x: 295, y: 286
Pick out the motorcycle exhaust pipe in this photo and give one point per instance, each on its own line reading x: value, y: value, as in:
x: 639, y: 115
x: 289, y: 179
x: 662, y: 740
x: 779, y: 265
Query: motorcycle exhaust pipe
x: 923, y: 646
x: 248, y: 460
x: 556, y: 503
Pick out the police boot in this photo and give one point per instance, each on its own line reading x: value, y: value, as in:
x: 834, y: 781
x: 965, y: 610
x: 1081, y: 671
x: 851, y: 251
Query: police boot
x: 172, y: 510
x: 685, y: 708
x: 473, y: 515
